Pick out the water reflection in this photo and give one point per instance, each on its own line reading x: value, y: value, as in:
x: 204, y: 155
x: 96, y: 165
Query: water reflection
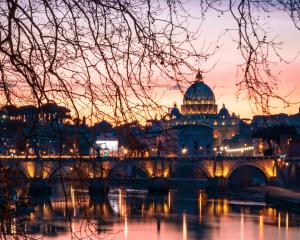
x: 134, y: 214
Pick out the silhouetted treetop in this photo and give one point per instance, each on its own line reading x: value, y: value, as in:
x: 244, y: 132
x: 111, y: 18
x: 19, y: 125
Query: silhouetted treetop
x: 104, y: 57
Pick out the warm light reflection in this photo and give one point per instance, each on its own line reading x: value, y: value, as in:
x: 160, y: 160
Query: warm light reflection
x: 272, y: 213
x: 242, y: 226
x: 166, y: 208
x: 261, y: 227
x: 169, y: 201
x: 73, y: 228
x: 125, y: 228
x: 73, y: 201
x: 242, y: 222
x: 122, y: 203
x: 219, y: 207
x: 123, y: 210
x: 279, y: 225
x: 211, y: 208
x: 225, y: 207
x: 47, y: 211
x: 200, y: 207
x: 184, y: 227
x: 287, y: 225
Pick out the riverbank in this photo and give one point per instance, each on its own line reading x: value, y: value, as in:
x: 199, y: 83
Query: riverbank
x: 278, y: 195
x: 271, y: 195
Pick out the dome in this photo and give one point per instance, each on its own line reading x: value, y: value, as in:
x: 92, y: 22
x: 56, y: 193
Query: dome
x: 199, y: 98
x: 199, y: 93
x: 175, y: 112
x: 224, y: 111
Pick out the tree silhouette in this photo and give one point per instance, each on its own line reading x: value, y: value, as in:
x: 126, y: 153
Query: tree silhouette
x: 105, y: 56
x: 108, y: 57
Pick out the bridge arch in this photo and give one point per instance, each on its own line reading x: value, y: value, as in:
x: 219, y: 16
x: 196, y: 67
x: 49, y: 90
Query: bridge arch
x: 246, y: 174
x: 68, y: 171
x: 190, y: 170
x: 127, y: 171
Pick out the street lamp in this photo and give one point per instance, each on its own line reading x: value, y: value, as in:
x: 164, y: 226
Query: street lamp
x: 125, y: 151
x: 12, y: 152
x: 184, y: 151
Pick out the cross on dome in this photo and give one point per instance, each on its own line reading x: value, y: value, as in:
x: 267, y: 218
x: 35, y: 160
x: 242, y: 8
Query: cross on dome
x: 199, y: 77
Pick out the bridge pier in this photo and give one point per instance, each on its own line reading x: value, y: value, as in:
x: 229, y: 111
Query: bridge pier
x: 276, y: 182
x: 39, y: 187
x: 158, y: 185
x: 217, y: 183
x: 98, y: 186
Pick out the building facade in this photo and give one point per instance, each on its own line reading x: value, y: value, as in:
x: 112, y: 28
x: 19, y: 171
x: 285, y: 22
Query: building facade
x: 199, y: 107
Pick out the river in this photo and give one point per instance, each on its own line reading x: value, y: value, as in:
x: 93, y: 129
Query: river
x: 134, y: 214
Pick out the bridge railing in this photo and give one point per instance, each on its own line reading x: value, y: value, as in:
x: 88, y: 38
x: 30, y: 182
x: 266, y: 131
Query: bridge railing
x: 162, y: 158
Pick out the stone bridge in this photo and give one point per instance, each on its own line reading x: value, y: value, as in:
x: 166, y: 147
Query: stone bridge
x: 228, y: 168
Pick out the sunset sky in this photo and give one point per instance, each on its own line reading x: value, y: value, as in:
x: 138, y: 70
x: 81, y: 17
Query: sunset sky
x: 222, y: 78
x: 155, y: 80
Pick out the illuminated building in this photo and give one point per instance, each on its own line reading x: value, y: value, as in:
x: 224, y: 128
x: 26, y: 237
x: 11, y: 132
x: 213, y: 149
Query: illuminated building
x: 199, y: 107
x: 187, y: 141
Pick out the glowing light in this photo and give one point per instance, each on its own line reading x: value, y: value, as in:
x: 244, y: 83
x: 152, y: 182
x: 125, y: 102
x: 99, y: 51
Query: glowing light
x: 143, y: 209
x: 287, y: 224
x: 219, y: 207
x: 166, y: 172
x: 30, y: 168
x: 261, y: 226
x: 122, y: 203
x: 242, y: 226
x: 225, y: 206
x: 184, y: 150
x: 169, y: 201
x: 125, y: 228
x: 240, y: 149
x: 166, y: 208
x: 73, y: 201
x: 200, y: 207
x: 184, y: 227
x: 261, y: 146
x: 73, y: 228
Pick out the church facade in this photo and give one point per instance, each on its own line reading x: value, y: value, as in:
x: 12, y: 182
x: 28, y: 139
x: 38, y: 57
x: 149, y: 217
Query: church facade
x: 198, y: 129
x: 199, y: 107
